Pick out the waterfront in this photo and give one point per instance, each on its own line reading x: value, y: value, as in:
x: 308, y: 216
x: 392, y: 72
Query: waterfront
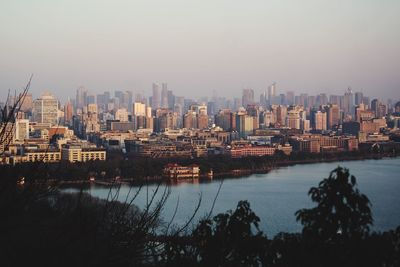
x: 277, y: 195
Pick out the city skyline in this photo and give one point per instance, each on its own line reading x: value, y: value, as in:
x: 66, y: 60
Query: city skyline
x: 199, y: 47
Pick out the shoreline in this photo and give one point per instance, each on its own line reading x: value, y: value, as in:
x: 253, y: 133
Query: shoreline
x: 232, y: 174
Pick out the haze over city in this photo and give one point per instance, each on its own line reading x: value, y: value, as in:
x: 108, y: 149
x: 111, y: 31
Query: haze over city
x: 201, y: 46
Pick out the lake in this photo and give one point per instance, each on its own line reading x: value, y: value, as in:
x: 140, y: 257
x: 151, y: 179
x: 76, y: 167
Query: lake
x: 277, y: 195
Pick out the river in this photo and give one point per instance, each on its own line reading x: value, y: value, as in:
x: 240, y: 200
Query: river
x: 277, y: 195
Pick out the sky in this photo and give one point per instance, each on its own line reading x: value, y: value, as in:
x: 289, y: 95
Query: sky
x: 198, y: 47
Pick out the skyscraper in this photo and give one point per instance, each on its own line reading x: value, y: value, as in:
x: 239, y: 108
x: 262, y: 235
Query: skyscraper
x: 333, y: 115
x: 320, y: 120
x: 271, y: 93
x: 358, y: 98
x: 247, y: 97
x: 155, y: 104
x: 164, y: 95
x: 81, y: 94
x: 45, y: 109
x: 68, y: 113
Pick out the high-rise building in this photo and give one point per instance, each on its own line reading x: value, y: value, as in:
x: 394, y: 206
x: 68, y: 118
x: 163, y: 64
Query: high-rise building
x: 45, y: 109
x: 271, y: 93
x: 155, y: 100
x: 122, y: 115
x: 320, y: 120
x: 374, y: 106
x: 21, y: 130
x: 358, y: 98
x: 289, y: 97
x: 348, y: 102
x: 68, y: 113
x: 80, y: 100
x: 247, y: 97
x: 224, y: 119
x: 27, y: 104
x: 139, y: 109
x: 293, y: 119
x: 164, y: 95
x: 333, y: 115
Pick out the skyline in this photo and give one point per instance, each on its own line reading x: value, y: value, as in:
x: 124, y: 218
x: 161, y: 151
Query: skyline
x: 198, y: 47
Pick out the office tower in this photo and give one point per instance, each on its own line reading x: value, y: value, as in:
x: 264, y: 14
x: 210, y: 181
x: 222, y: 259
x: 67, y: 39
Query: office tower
x: 374, y: 106
x: 263, y: 100
x: 303, y: 101
x: 21, y: 130
x: 223, y: 119
x: 190, y: 120
x: 311, y: 102
x: 165, y: 119
x: 381, y: 110
x: 271, y: 93
x: 269, y: 118
x: 90, y: 119
x: 247, y: 97
x: 80, y: 100
x: 254, y: 112
x: 334, y: 99
x: 333, y: 115
x: 155, y: 100
x: 139, y: 109
x: 244, y: 124
x: 289, y: 97
x: 348, y: 102
x: 45, y: 109
x: 358, y: 98
x: 397, y: 107
x: 281, y: 112
x: 293, y: 119
x: 122, y: 115
x: 68, y: 113
x: 320, y: 120
x: 322, y: 99
x: 164, y: 95
x: 171, y: 100
x: 237, y: 103
x: 27, y: 103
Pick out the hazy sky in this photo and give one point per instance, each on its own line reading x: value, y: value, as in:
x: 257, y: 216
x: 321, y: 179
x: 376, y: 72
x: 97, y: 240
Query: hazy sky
x: 199, y: 46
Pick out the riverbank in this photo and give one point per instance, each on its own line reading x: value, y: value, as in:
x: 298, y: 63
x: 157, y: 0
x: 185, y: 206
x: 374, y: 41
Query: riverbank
x: 234, y: 173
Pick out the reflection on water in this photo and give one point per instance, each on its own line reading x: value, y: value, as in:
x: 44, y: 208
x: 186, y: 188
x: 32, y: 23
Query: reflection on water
x: 276, y: 196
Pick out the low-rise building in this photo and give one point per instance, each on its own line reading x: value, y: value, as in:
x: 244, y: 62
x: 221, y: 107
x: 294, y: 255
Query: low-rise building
x: 175, y: 171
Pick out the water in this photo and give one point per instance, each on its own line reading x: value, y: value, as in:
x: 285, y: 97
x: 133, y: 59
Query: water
x: 276, y: 196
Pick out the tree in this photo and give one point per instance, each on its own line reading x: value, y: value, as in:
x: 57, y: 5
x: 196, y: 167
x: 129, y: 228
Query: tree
x: 342, y: 212
x: 230, y: 239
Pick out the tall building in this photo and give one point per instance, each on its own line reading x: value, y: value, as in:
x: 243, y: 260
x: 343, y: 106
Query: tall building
x: 45, y: 109
x: 333, y: 115
x: 271, y: 93
x: 348, y: 102
x: 320, y: 120
x: 224, y: 119
x: 358, y: 98
x: 139, y: 109
x: 164, y: 95
x: 21, y: 130
x: 68, y: 113
x: 247, y: 97
x: 80, y: 100
x: 155, y: 100
x: 122, y: 115
x: 27, y: 105
x: 290, y: 97
x: 244, y: 124
x: 293, y: 119
x: 374, y: 106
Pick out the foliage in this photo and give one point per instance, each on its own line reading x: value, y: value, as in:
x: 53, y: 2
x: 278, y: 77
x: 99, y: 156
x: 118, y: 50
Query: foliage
x: 341, y: 211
